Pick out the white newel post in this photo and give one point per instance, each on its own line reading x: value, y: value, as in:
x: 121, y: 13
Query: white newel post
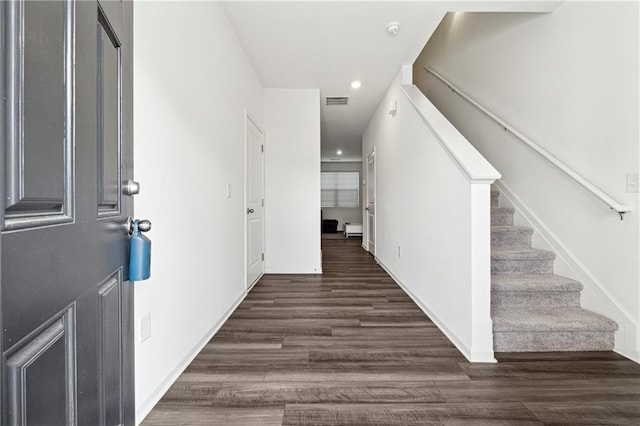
x: 482, y: 326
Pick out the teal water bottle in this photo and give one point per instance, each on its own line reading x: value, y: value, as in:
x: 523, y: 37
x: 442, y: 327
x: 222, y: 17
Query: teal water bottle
x: 139, y: 252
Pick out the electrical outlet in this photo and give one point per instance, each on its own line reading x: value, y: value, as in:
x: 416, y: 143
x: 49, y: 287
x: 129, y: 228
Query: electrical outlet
x: 228, y: 190
x: 399, y: 251
x: 633, y: 185
x: 145, y: 328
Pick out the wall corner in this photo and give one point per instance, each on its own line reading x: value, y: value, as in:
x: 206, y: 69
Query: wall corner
x: 407, y: 74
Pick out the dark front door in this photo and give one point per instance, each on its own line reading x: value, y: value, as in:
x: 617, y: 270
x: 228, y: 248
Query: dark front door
x: 66, y: 123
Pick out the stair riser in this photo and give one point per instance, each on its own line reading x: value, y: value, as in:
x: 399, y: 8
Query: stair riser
x: 514, y: 240
x: 521, y: 266
x: 563, y: 341
x: 502, y: 219
x: 534, y: 299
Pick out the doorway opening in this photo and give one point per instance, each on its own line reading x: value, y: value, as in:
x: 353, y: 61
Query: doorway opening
x: 341, y: 199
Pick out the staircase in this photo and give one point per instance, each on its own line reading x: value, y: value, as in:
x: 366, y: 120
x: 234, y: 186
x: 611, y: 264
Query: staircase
x: 534, y: 310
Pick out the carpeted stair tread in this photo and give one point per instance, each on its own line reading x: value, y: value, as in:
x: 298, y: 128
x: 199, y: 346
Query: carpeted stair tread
x: 494, y: 198
x: 502, y: 253
x: 509, y: 236
x: 571, y: 319
x: 510, y: 229
x: 502, y: 215
x: 533, y: 282
x: 506, y: 210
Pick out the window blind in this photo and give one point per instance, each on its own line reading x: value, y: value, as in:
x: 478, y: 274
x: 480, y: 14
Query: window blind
x: 340, y: 189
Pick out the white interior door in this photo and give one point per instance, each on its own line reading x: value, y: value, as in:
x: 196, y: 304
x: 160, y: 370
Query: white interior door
x: 255, y: 202
x: 371, y: 203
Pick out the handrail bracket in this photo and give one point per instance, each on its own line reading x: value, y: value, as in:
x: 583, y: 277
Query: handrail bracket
x: 621, y: 213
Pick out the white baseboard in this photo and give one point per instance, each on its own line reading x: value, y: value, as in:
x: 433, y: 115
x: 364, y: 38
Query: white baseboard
x: 144, y: 408
x: 472, y: 356
x: 625, y: 339
x: 633, y: 355
x: 289, y: 271
x: 254, y: 283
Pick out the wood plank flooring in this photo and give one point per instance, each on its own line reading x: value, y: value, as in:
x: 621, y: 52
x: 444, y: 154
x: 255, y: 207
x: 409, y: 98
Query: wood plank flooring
x: 350, y: 347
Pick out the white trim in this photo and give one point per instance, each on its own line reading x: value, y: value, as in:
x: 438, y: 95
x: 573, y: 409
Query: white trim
x: 621, y: 209
x: 470, y: 162
x: 255, y: 282
x: 469, y: 353
x: 288, y: 271
x: 145, y: 407
x: 625, y: 339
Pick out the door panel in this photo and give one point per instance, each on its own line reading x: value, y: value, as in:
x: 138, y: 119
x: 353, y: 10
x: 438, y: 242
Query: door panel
x: 38, y: 151
x: 108, y: 118
x: 66, y: 305
x: 44, y: 101
x: 255, y: 207
x: 255, y: 246
x: 41, y: 375
x: 110, y: 361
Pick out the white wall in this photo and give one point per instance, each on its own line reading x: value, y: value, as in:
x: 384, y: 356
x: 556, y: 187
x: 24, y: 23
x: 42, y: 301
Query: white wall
x: 344, y: 214
x: 192, y: 84
x: 569, y: 81
x: 432, y: 222
x: 292, y: 180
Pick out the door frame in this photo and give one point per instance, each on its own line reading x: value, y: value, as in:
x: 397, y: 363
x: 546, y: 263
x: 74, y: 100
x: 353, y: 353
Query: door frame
x: 365, y: 241
x: 248, y: 117
x: 3, y: 51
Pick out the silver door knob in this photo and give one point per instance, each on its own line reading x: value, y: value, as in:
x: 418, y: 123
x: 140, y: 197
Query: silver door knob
x: 143, y: 225
x: 131, y: 188
x: 250, y: 211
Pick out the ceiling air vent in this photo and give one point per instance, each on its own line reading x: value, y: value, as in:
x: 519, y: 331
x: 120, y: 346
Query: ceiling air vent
x: 337, y: 100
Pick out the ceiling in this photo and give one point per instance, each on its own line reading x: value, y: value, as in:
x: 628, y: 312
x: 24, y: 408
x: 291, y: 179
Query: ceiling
x: 327, y: 45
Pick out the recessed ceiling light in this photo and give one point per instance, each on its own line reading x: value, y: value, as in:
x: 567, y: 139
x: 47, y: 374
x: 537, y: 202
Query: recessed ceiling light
x: 393, y: 28
x: 339, y: 152
x: 356, y: 84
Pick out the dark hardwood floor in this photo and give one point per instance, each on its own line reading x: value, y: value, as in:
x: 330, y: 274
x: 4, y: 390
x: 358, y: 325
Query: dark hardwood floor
x: 350, y: 347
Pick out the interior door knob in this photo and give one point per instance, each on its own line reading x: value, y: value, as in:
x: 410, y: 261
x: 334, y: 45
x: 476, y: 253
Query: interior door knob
x: 131, y: 188
x: 143, y: 225
x: 249, y: 211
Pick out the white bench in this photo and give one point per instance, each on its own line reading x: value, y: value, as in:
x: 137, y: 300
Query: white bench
x: 352, y: 229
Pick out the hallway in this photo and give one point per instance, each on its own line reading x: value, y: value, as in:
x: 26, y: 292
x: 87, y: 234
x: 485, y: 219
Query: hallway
x: 350, y: 347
